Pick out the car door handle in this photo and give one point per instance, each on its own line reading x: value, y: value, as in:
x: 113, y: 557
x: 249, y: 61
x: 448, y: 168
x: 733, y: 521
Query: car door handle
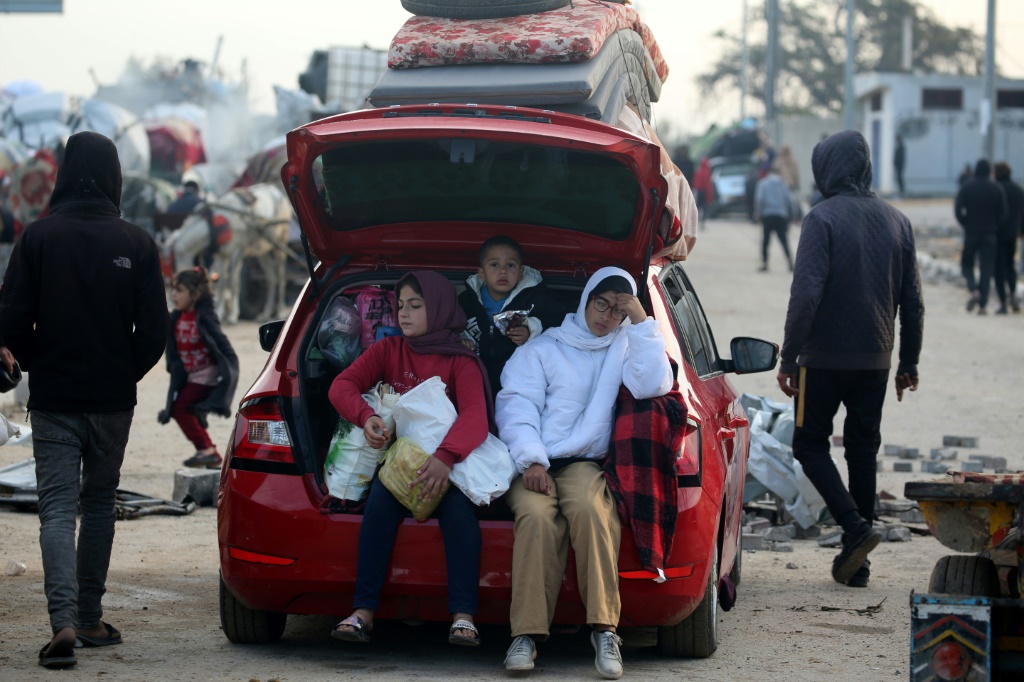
x: 726, y: 434
x: 738, y: 422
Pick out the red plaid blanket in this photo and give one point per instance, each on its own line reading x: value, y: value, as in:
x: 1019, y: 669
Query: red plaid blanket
x: 640, y: 470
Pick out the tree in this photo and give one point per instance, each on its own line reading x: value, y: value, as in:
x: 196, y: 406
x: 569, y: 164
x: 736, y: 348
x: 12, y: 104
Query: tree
x: 812, y: 50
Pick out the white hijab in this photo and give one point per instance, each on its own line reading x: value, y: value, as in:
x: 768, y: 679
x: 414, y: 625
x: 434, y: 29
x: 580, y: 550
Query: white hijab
x: 574, y: 330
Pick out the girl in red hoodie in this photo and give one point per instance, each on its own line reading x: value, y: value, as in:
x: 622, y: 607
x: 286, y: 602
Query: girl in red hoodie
x: 431, y: 321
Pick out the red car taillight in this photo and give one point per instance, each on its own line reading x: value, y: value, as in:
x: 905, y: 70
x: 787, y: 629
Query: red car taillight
x: 262, y: 433
x: 688, y: 462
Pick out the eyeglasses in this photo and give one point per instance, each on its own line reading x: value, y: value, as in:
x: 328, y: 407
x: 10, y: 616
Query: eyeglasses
x: 601, y: 305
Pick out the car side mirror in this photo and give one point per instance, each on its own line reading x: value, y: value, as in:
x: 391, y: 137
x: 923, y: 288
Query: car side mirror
x: 750, y: 355
x: 269, y: 332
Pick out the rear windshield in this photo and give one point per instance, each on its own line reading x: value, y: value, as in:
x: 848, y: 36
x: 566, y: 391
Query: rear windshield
x: 478, y: 180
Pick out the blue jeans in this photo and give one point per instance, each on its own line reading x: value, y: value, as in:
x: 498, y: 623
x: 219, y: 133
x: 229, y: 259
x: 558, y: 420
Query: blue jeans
x: 461, y: 532
x: 63, y: 445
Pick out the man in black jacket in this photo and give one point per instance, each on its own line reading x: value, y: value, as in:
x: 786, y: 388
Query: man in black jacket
x: 83, y: 310
x: 856, y: 270
x: 980, y: 208
x: 1010, y: 230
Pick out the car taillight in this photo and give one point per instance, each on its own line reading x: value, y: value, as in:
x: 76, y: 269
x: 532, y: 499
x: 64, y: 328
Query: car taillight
x: 262, y: 433
x: 688, y: 462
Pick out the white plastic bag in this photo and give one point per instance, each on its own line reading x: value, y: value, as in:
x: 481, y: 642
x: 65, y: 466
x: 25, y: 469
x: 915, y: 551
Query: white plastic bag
x: 351, y: 461
x: 425, y: 414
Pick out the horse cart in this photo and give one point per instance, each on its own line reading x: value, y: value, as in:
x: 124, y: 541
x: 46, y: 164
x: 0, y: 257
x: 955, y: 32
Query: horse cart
x: 969, y: 627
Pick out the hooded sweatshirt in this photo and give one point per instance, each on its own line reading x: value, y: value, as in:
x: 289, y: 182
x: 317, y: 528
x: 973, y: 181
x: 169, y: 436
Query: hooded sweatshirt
x: 559, y: 390
x: 855, y: 271
x: 981, y: 204
x: 83, y: 307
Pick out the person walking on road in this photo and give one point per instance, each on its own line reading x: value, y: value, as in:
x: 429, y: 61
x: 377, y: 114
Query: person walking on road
x: 899, y: 161
x: 775, y: 206
x: 980, y: 208
x: 82, y: 309
x: 856, y: 271
x: 1010, y: 230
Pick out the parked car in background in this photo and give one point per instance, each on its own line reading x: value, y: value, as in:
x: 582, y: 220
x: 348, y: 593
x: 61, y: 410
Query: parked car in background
x: 382, y: 192
x: 730, y: 176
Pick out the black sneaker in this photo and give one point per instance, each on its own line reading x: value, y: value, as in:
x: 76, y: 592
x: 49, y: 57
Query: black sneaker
x: 860, y: 578
x: 201, y: 461
x: 855, y: 550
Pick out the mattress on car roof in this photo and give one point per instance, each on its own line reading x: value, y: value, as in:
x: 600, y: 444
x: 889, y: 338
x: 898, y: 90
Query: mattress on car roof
x: 569, y: 34
x: 520, y: 84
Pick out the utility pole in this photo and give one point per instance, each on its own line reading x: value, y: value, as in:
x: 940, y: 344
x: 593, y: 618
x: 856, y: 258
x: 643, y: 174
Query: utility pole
x: 744, y: 64
x: 988, y: 137
x: 770, y: 61
x: 851, y: 58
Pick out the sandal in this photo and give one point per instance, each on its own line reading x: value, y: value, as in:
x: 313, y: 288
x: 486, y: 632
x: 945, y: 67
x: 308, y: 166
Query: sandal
x: 58, y: 654
x: 113, y: 637
x: 358, y: 633
x: 463, y: 640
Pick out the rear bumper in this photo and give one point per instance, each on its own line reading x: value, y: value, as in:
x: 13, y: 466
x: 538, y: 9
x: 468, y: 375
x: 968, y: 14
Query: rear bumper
x: 277, y: 516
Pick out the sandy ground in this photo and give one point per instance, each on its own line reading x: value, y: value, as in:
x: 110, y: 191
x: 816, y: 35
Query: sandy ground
x: 791, y: 622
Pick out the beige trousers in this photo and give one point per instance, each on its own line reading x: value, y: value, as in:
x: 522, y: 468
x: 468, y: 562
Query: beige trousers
x: 580, y: 510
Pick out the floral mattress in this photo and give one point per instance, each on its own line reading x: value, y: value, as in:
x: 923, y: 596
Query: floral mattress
x: 571, y: 34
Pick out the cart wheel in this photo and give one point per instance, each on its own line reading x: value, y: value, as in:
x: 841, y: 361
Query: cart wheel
x: 972, y: 576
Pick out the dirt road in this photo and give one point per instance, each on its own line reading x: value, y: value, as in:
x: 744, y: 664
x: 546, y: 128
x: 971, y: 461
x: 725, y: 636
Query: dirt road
x: 162, y: 589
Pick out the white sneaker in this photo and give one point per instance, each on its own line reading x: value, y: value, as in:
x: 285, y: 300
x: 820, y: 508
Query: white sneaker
x: 608, y: 660
x: 521, y: 655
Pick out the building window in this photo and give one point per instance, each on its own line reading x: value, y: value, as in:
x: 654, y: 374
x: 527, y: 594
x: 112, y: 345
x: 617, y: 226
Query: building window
x: 1010, y: 99
x: 876, y: 102
x: 942, y: 98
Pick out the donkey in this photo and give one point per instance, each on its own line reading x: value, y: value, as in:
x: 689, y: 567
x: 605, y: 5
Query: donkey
x: 249, y: 222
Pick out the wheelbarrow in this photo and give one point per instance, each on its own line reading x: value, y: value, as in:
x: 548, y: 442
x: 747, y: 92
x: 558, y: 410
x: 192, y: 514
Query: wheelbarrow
x: 970, y: 625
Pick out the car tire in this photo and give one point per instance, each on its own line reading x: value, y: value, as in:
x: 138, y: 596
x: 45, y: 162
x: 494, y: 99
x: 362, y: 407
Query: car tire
x: 243, y: 625
x: 960, y: 574
x: 737, y: 564
x: 480, y: 9
x: 697, y: 636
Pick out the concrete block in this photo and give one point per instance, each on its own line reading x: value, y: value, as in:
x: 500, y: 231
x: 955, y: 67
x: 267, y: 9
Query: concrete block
x: 934, y: 467
x: 199, y: 484
x: 752, y: 542
x: 909, y: 453
x: 960, y: 441
x: 969, y: 441
x: 812, y: 533
x: 944, y: 453
x: 760, y: 525
x: 903, y: 466
x: 879, y: 467
x: 892, y: 450
x: 781, y: 547
x: 912, y: 516
x: 781, y: 533
x: 898, y: 535
x: 831, y: 540
x: 973, y: 467
x: 988, y: 461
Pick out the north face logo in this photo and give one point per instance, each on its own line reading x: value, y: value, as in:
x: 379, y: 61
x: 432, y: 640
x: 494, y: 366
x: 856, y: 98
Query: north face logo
x: 123, y: 262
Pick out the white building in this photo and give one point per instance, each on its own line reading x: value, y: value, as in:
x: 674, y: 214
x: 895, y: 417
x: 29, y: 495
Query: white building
x: 939, y: 118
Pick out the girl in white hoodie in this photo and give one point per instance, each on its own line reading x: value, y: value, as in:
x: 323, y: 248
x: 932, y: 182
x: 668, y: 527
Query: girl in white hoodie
x: 555, y: 412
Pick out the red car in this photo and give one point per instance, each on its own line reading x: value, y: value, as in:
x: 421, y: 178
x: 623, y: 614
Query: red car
x: 380, y: 192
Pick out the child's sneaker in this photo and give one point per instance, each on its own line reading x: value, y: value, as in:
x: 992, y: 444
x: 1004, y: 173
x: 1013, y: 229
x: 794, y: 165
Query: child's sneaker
x: 201, y: 461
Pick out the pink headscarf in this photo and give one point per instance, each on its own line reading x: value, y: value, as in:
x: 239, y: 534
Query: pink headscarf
x: 445, y: 323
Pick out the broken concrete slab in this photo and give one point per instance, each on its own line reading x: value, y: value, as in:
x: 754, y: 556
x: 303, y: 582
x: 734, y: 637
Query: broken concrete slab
x: 831, y: 540
x: 759, y: 525
x: 781, y: 533
x: 898, y: 535
x: 781, y: 547
x: 909, y: 453
x: 892, y: 450
x: 944, y: 453
x: 199, y: 484
x: 912, y: 516
x: 811, y: 533
x: 960, y: 441
x: 752, y: 542
x: 934, y: 467
x: 988, y: 461
x: 973, y: 467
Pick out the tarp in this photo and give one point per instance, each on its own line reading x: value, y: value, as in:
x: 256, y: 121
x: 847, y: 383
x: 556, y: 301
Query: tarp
x: 175, y: 145
x: 121, y: 126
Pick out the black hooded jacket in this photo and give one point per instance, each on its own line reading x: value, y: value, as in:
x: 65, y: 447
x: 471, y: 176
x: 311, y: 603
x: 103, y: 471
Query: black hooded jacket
x: 1013, y: 226
x: 856, y: 269
x: 981, y: 204
x: 82, y: 306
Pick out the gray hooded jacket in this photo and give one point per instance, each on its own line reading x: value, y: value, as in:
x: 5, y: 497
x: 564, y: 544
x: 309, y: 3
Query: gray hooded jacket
x: 856, y: 270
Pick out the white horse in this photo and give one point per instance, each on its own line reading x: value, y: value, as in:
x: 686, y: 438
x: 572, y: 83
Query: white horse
x: 258, y: 217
